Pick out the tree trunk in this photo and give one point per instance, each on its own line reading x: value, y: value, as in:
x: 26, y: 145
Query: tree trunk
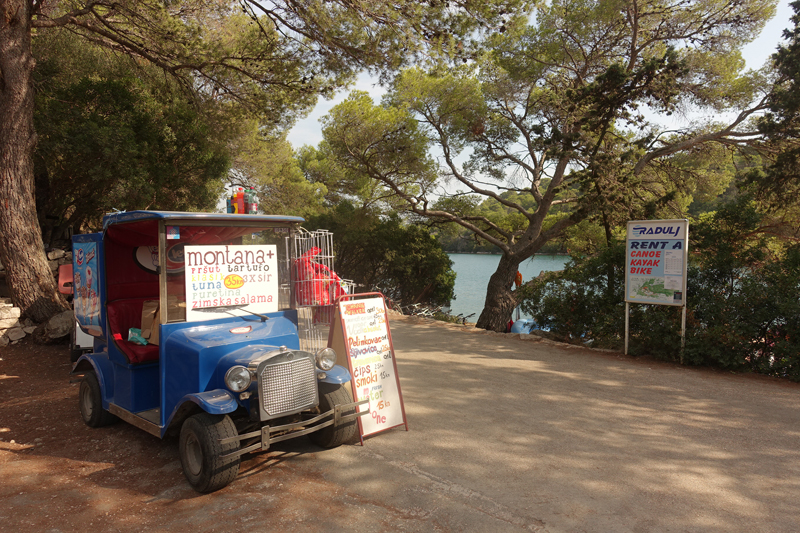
x: 31, y: 282
x: 500, y: 300
x: 611, y: 278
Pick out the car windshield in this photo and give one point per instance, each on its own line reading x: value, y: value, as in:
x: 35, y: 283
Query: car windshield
x: 216, y: 272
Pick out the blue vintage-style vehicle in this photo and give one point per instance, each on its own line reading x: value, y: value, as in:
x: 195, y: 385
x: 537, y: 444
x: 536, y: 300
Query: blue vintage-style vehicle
x: 195, y: 329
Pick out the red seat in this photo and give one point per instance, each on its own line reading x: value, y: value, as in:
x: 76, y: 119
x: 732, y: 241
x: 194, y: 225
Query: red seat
x: 126, y: 314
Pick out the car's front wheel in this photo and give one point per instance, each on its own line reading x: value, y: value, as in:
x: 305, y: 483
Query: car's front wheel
x: 335, y: 434
x: 201, y: 451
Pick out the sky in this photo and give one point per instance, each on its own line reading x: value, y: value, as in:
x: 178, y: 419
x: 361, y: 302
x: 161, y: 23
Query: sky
x: 308, y: 131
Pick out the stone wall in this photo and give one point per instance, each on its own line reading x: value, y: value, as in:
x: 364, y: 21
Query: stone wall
x: 12, y: 329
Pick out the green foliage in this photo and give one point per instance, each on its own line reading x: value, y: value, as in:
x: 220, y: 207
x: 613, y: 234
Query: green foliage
x: 274, y: 59
x: 779, y: 185
x: 547, y: 125
x: 587, y: 238
x: 115, y: 135
x: 110, y: 139
x: 489, y: 214
x: 576, y: 303
x: 385, y: 145
x: 364, y: 140
x: 271, y: 60
x: 464, y: 242
x: 743, y: 301
x: 269, y: 165
x: 403, y: 261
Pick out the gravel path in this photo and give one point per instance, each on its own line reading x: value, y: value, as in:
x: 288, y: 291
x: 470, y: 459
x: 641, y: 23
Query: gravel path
x: 504, y: 435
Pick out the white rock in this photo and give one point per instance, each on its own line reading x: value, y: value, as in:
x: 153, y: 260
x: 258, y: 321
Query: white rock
x: 6, y: 323
x: 56, y: 254
x: 9, y: 312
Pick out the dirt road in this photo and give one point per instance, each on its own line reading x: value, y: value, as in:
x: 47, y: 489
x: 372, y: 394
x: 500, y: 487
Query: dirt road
x: 505, y: 435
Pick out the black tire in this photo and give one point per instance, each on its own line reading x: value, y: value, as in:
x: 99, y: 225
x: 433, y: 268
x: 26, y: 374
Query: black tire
x: 90, y: 403
x: 334, y: 435
x: 201, y: 451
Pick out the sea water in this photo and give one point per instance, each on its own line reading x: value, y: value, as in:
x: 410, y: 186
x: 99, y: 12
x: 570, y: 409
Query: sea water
x: 472, y: 277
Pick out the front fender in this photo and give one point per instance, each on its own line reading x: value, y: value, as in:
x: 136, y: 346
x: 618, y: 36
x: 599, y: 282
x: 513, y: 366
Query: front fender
x: 102, y: 367
x: 338, y: 375
x: 215, y: 402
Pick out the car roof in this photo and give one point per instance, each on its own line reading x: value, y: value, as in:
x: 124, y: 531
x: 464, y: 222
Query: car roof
x: 138, y: 216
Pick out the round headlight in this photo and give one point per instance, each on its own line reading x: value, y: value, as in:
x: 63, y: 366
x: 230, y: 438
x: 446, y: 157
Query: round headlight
x: 237, y: 378
x: 326, y: 358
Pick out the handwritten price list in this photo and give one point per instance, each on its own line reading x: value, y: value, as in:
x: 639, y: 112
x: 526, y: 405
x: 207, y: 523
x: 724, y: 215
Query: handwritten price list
x: 372, y: 363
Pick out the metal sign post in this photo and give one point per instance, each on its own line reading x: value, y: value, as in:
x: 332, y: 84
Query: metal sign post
x: 627, y: 324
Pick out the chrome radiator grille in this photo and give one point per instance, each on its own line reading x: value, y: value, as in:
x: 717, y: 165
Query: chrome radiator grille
x: 288, y: 387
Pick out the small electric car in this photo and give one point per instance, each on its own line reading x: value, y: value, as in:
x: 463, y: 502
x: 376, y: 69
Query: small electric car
x: 195, y: 331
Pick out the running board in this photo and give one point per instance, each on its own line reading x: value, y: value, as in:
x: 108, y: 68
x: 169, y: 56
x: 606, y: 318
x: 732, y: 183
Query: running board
x: 138, y: 420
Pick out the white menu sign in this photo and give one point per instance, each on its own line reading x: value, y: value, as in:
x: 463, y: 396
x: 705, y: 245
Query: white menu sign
x: 230, y: 280
x: 372, y: 364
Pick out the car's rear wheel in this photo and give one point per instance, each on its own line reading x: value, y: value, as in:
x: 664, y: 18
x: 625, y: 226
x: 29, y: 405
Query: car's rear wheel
x: 335, y: 434
x: 201, y: 451
x: 90, y: 403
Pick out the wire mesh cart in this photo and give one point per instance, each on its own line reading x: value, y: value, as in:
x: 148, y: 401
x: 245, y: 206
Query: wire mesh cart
x: 317, y: 286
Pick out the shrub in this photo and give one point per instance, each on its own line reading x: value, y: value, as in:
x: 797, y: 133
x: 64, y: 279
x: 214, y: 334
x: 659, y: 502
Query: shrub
x: 583, y: 300
x: 743, y: 303
x: 382, y: 253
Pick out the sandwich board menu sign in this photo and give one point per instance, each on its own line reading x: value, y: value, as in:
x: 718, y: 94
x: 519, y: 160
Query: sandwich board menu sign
x: 365, y: 338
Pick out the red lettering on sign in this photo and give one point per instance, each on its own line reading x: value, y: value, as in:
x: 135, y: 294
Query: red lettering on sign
x: 645, y: 253
x: 360, y: 371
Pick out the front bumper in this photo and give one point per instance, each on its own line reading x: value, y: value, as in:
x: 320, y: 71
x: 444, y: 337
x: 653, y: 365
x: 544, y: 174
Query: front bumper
x: 296, y: 429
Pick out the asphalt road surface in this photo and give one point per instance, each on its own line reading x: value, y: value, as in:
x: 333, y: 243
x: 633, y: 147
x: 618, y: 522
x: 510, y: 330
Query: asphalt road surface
x: 504, y: 435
